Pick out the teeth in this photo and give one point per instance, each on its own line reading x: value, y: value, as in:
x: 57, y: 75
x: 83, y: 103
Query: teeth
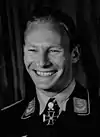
x: 44, y: 73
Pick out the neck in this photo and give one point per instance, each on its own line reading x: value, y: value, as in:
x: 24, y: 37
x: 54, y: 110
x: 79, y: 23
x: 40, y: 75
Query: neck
x: 49, y: 94
x: 67, y: 85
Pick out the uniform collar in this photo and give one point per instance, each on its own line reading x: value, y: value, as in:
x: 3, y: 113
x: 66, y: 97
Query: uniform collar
x: 61, y: 98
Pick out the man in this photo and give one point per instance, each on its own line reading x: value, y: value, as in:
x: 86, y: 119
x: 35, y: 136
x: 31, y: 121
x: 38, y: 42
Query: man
x: 60, y: 104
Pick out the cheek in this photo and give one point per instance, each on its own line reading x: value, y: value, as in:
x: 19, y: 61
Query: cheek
x: 30, y: 61
x: 29, y: 58
x: 58, y: 61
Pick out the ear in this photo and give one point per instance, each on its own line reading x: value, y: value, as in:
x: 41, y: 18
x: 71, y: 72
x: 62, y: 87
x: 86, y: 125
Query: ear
x: 75, y: 54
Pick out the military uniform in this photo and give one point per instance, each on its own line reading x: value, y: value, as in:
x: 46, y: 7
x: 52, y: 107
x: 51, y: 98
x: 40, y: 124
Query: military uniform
x: 22, y: 119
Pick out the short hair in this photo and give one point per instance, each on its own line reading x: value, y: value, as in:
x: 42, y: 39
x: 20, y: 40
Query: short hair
x: 42, y: 14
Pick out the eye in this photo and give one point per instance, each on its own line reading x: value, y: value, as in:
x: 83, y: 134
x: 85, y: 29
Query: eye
x: 55, y: 51
x: 32, y: 50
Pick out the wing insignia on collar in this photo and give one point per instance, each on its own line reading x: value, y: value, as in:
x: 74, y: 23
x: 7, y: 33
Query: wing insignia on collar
x: 29, y: 110
x: 81, y: 106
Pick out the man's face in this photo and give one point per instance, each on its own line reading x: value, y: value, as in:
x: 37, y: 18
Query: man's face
x: 47, y: 58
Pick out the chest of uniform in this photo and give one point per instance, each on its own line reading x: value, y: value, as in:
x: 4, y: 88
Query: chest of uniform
x: 63, y: 125
x: 75, y: 117
x: 67, y: 121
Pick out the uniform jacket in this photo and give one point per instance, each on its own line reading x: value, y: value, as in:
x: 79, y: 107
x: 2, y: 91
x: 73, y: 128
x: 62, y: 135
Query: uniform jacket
x: 22, y: 118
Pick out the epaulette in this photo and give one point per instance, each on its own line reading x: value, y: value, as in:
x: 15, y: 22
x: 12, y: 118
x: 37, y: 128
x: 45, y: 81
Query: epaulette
x: 12, y: 105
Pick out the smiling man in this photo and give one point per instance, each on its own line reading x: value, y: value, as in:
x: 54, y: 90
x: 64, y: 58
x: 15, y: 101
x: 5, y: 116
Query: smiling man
x: 46, y: 56
x: 60, y: 104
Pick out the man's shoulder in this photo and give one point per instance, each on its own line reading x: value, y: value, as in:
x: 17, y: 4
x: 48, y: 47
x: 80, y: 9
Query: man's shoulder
x: 21, y: 109
x: 11, y: 115
x: 14, y: 109
x: 15, y: 104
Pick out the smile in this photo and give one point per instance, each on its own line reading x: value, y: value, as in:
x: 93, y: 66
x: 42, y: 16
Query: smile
x: 44, y: 74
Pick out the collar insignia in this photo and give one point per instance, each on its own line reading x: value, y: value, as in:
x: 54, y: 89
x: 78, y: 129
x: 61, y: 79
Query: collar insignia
x: 81, y: 106
x: 29, y: 110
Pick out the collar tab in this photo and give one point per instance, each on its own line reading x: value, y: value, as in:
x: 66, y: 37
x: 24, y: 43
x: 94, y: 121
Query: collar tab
x: 81, y: 106
x: 30, y: 109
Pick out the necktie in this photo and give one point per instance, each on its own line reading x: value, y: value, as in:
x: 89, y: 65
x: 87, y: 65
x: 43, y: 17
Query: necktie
x: 51, y: 112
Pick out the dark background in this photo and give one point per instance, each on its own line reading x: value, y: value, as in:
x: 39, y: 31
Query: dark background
x: 14, y: 80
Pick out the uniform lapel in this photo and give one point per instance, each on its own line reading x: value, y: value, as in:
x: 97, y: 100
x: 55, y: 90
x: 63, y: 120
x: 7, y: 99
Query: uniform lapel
x: 32, y: 108
x: 77, y: 109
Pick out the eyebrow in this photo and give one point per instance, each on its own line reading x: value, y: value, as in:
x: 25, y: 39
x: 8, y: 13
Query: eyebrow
x: 33, y: 46
x: 51, y: 46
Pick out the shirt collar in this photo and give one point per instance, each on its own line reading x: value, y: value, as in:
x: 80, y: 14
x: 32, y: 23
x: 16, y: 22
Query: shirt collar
x: 60, y: 97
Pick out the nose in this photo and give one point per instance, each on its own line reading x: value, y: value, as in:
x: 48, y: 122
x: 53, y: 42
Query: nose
x: 44, y: 61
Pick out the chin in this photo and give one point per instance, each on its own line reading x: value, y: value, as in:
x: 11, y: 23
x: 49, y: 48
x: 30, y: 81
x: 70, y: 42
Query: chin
x: 43, y: 86
x: 49, y: 84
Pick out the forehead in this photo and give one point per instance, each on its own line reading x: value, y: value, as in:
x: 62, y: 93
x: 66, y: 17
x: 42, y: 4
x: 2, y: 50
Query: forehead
x: 45, y: 33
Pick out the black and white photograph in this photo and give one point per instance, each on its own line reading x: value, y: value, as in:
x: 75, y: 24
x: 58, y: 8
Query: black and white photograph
x: 49, y: 68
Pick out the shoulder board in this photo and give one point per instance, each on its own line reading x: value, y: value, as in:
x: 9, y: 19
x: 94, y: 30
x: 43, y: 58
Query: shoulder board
x: 12, y: 105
